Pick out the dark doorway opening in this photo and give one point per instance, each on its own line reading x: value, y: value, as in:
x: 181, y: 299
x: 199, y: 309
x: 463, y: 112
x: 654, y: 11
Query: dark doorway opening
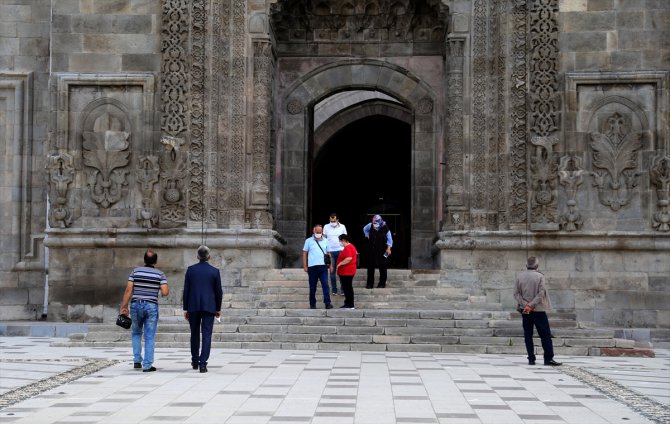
x: 366, y: 169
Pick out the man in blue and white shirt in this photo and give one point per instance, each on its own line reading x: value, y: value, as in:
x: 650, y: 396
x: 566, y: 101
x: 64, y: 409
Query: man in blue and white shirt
x: 144, y: 284
x: 313, y: 253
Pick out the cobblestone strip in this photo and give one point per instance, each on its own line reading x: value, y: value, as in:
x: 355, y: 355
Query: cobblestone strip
x: 651, y: 409
x: 33, y: 389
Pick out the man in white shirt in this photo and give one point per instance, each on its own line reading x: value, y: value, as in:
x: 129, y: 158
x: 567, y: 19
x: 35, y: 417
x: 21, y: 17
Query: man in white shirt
x: 332, y: 232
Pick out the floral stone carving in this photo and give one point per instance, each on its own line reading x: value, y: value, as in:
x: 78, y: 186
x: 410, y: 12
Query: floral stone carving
x: 147, y: 176
x: 106, y: 150
x: 61, y: 173
x: 172, y: 176
x: 615, y: 152
x: 570, y: 175
x: 659, y: 175
x: 543, y: 174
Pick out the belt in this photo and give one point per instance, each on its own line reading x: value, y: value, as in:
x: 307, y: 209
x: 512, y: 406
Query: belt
x: 143, y: 301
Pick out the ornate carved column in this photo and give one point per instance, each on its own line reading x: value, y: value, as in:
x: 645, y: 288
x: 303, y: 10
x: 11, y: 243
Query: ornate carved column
x: 518, y: 199
x: 544, y: 112
x: 455, y: 206
x: 259, y: 193
x: 660, y: 178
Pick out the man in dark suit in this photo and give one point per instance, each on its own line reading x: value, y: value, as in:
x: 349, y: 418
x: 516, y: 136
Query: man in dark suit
x: 202, y: 302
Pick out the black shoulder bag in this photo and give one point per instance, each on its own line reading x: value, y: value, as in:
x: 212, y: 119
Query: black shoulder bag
x: 326, y: 258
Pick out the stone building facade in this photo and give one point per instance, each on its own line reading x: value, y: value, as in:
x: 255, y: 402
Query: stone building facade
x: 535, y: 127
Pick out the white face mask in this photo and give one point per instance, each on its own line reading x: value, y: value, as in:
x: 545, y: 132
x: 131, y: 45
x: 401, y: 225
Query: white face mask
x: 375, y: 226
x: 318, y: 235
x: 333, y: 224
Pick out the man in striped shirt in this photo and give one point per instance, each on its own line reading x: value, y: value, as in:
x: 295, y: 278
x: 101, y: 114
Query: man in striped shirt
x: 144, y: 284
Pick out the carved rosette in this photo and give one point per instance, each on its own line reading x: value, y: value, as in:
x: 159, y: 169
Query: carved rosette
x: 659, y: 175
x: 294, y: 106
x: 147, y: 174
x: 172, y: 164
x: 425, y: 106
x: 60, y: 169
x: 615, y: 154
x: 543, y: 176
x: 570, y: 176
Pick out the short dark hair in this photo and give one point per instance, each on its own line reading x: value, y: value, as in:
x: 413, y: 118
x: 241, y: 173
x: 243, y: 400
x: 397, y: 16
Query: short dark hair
x: 150, y: 257
x: 345, y: 237
x: 333, y: 214
x: 203, y: 253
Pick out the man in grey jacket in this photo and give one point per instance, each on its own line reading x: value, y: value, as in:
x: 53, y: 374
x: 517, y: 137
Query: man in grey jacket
x: 531, y: 295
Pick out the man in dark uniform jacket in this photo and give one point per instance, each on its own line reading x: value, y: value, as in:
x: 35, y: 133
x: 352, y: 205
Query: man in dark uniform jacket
x: 202, y: 302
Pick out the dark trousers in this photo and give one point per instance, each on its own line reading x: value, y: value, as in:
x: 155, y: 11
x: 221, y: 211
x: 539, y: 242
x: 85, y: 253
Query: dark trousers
x: 346, y: 282
x: 320, y: 273
x: 201, y: 321
x: 540, y: 321
x: 381, y: 262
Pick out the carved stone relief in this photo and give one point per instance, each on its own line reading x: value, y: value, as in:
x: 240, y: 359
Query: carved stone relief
x: 518, y: 88
x: 543, y: 176
x: 105, y: 150
x: 615, y: 153
x: 172, y: 174
x: 196, y: 197
x: 570, y: 176
x: 61, y: 174
x: 263, y: 66
x: 544, y: 110
x: 358, y: 20
x: 659, y: 175
x: 147, y: 175
x: 479, y: 103
x: 174, y: 39
x: 454, y: 150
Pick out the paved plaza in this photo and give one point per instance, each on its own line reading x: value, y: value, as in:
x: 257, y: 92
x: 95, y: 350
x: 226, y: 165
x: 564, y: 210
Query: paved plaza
x: 44, y: 384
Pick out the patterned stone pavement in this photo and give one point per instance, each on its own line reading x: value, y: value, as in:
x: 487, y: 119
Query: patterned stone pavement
x: 44, y: 384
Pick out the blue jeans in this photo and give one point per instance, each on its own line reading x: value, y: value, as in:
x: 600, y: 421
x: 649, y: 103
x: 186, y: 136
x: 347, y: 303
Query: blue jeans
x: 333, y: 275
x: 318, y: 272
x: 540, y: 321
x: 145, y: 320
x: 201, y: 321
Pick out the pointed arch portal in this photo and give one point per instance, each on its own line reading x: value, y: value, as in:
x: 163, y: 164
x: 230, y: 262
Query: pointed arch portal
x: 296, y: 155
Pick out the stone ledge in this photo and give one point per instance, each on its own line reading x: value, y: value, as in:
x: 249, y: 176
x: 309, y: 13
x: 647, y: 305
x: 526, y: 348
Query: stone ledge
x: 634, y: 352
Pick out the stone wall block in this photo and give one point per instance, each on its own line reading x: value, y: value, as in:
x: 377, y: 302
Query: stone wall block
x: 583, y: 41
x: 14, y: 296
x: 590, y: 21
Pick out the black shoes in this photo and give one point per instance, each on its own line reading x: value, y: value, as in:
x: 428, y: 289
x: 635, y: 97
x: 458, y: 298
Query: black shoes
x: 194, y: 365
x: 346, y: 307
x: 531, y: 362
x: 152, y: 369
x: 137, y: 365
x: 329, y: 306
x: 203, y: 368
x: 381, y: 286
x: 369, y: 287
x: 312, y: 306
x: 552, y: 363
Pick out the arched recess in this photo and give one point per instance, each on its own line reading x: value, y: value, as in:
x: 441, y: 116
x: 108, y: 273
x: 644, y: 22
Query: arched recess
x: 295, y: 144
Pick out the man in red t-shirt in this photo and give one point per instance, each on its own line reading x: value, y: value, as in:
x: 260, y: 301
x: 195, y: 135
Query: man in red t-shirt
x: 346, y: 269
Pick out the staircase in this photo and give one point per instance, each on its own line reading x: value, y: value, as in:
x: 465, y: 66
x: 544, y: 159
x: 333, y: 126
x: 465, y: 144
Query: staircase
x: 415, y: 312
